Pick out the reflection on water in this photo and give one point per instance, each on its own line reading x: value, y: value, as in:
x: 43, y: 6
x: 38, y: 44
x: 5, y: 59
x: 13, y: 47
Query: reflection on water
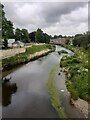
x: 7, y: 90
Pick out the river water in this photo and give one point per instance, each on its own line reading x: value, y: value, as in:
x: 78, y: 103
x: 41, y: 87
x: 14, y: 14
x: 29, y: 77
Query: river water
x: 31, y: 99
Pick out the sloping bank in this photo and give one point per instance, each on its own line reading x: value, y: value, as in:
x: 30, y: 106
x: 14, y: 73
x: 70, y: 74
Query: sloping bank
x: 30, y: 54
x: 76, y: 70
x: 54, y: 95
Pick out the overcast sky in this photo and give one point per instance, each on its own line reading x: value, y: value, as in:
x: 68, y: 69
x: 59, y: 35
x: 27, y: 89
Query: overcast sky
x: 66, y: 18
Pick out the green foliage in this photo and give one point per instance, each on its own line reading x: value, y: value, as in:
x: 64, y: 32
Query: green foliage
x: 35, y: 48
x: 32, y: 36
x: 82, y: 40
x: 25, y: 36
x: 17, y: 34
x: 7, y: 27
x: 68, y: 40
x: 55, y: 99
x: 77, y: 73
x: 62, y: 51
x: 22, y: 35
x: 41, y: 37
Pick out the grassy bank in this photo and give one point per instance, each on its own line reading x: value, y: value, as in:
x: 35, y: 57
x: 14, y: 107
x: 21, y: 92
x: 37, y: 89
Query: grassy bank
x: 25, y: 57
x: 55, y: 98
x: 76, y: 69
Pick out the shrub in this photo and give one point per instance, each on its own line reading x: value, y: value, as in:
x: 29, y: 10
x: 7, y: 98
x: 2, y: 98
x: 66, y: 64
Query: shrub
x: 62, y: 51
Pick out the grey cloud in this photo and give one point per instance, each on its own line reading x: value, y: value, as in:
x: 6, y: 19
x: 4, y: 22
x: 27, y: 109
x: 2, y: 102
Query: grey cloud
x: 53, y: 11
x: 47, y: 16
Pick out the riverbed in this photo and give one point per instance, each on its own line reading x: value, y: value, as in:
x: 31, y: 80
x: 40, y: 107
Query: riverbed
x: 32, y: 100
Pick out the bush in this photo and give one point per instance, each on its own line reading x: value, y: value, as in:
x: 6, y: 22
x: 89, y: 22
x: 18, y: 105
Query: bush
x: 76, y: 69
x: 62, y: 51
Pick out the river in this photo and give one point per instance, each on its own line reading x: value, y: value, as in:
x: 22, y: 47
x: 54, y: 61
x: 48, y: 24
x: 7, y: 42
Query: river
x: 31, y: 99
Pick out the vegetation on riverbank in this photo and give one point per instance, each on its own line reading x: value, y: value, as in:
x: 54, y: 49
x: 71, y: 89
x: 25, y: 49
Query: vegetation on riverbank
x: 55, y: 98
x: 76, y: 69
x: 62, y: 51
x: 24, y: 57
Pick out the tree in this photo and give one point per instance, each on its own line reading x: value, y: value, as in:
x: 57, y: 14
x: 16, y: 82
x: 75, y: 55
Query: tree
x: 32, y: 36
x: 67, y: 41
x: 17, y: 34
x: 7, y: 27
x: 60, y: 36
x: 42, y: 37
x: 5, y: 43
x: 55, y: 36
x: 39, y: 35
x: 25, y: 36
x: 82, y: 40
x: 46, y: 38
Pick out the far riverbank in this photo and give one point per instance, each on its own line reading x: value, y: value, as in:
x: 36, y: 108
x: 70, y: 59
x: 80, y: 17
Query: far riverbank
x: 31, y: 53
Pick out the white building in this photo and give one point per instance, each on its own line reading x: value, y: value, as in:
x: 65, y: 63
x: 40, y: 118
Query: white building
x: 10, y: 41
x: 17, y: 44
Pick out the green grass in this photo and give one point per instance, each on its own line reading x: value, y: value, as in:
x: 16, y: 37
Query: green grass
x: 55, y: 98
x: 76, y: 68
x: 24, y: 57
x: 36, y: 48
x: 62, y: 51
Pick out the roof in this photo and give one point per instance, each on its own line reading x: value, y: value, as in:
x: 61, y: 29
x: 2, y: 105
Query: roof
x: 10, y: 41
x: 17, y: 42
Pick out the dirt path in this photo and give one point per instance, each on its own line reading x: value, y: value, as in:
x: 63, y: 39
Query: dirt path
x: 11, y: 52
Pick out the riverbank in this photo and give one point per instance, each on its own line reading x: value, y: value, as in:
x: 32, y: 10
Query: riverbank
x: 53, y: 91
x: 31, y: 53
x: 76, y: 70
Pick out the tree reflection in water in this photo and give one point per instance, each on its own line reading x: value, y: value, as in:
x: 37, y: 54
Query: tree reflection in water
x: 7, y: 90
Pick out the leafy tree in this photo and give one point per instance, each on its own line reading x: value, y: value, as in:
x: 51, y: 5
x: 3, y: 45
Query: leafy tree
x: 82, y: 40
x: 55, y: 36
x: 67, y: 41
x: 46, y: 38
x: 39, y: 35
x: 32, y: 36
x: 7, y: 27
x: 42, y: 37
x: 17, y: 34
x: 5, y: 43
x: 60, y: 36
x: 25, y: 36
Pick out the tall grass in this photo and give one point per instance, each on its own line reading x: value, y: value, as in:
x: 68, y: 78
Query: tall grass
x: 77, y: 73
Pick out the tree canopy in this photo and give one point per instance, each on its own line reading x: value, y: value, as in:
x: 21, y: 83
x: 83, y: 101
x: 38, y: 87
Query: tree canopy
x: 7, y: 27
x: 82, y: 40
x: 24, y: 36
x: 39, y: 36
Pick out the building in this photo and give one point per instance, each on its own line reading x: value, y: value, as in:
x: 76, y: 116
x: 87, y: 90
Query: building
x: 17, y: 44
x: 10, y: 41
x: 58, y: 41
